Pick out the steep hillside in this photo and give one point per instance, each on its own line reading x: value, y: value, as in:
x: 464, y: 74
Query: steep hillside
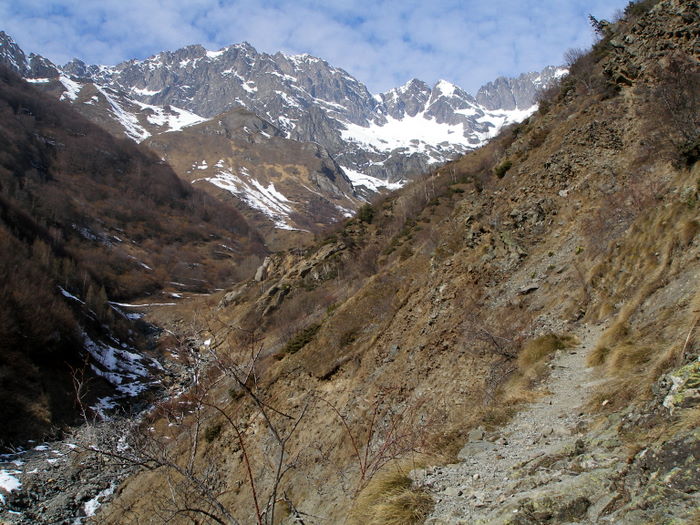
x: 84, y: 219
x: 342, y: 383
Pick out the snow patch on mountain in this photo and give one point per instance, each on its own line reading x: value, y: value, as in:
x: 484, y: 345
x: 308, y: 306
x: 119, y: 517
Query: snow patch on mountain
x: 447, y: 89
x: 72, y: 88
x: 266, y: 199
x: 145, y: 92
x: 132, y: 128
x: 371, y: 183
x: 417, y: 134
x: 500, y: 119
x: 174, y: 119
x: 216, y: 54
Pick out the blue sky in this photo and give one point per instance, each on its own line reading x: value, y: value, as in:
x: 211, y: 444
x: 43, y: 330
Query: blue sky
x: 383, y: 43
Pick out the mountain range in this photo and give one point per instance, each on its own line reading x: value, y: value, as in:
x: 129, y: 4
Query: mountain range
x: 512, y: 337
x: 338, y: 144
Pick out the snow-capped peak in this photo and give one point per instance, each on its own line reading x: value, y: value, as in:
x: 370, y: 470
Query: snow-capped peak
x: 446, y: 88
x: 216, y: 54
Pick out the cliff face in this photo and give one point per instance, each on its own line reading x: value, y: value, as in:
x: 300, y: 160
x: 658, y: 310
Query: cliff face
x: 519, y: 92
x: 559, y: 264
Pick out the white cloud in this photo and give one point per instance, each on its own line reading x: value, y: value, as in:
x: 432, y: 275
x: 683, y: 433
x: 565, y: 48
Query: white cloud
x: 383, y: 43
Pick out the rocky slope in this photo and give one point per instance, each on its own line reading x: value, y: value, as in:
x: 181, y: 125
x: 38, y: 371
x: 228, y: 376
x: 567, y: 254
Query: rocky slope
x: 281, y: 185
x: 558, y: 264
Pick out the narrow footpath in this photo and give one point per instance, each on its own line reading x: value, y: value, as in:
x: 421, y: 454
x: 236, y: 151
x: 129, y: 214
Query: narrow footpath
x: 500, y: 472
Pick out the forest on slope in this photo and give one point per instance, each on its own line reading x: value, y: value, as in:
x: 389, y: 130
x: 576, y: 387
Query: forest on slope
x: 85, y: 219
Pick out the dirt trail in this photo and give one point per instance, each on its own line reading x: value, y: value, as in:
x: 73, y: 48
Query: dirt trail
x: 486, y: 480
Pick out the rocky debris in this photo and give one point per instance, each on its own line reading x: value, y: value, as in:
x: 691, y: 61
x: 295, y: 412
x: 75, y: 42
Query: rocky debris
x: 650, y: 39
x: 261, y: 272
x: 546, y: 466
x: 61, y: 482
x: 234, y: 295
x: 284, y: 270
x: 682, y: 386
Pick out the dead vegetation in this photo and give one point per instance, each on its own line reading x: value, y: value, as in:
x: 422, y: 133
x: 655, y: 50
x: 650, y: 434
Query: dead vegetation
x: 86, y: 219
x: 391, y: 499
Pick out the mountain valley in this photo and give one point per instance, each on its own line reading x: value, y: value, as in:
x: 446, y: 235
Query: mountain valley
x: 414, y: 307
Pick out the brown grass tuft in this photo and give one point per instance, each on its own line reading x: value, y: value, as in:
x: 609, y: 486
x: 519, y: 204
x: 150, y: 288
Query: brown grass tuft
x: 531, y: 366
x: 537, y: 349
x: 391, y: 499
x: 688, y: 232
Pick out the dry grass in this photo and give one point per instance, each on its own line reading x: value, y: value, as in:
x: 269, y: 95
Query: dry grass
x: 391, y: 499
x: 694, y: 518
x: 688, y: 231
x: 637, y: 348
x: 531, y: 367
x: 537, y: 349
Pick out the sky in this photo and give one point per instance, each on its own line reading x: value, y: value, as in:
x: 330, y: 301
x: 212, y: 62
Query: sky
x: 382, y: 43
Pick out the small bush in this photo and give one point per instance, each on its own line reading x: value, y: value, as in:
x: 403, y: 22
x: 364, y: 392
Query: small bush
x: 212, y: 432
x: 301, y: 339
x: 501, y: 170
x: 366, y: 213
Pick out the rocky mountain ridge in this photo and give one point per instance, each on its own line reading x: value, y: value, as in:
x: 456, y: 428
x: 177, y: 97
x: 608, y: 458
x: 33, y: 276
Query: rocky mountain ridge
x: 376, y: 141
x: 313, y: 101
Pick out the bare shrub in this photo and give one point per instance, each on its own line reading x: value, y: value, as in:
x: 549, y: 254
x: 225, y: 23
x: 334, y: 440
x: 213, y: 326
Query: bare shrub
x: 546, y: 97
x: 617, y: 211
x: 387, y: 435
x: 677, y: 104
